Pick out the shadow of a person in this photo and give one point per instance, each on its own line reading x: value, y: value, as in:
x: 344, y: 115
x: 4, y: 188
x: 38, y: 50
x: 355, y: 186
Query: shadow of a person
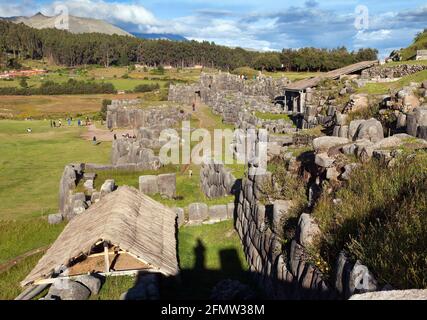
x: 199, y: 252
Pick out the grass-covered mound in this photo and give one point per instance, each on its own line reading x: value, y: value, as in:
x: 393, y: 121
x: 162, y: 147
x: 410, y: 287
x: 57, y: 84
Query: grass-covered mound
x: 420, y: 43
x: 382, y: 220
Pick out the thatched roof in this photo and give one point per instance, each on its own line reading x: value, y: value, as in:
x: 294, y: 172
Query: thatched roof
x: 125, y: 218
x: 334, y: 74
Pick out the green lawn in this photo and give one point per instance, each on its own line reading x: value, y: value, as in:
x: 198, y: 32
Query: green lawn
x: 32, y: 164
x: 384, y: 88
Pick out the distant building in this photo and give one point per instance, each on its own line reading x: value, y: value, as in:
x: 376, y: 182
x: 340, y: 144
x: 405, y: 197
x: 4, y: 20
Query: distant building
x: 421, y: 55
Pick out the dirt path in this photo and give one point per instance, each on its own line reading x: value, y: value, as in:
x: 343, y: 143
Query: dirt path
x: 9, y: 264
x: 104, y: 134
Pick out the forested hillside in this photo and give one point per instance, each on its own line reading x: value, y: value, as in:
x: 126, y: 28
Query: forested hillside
x: 62, y: 47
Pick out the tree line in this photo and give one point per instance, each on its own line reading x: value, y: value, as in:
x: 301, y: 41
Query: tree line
x: 64, y: 48
x: 72, y: 86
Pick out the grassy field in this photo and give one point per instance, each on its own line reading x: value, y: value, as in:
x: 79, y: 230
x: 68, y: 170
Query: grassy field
x: 384, y: 88
x: 42, y: 107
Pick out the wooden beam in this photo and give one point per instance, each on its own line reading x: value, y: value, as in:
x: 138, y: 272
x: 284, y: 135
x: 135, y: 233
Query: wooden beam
x: 106, y: 257
x: 106, y: 274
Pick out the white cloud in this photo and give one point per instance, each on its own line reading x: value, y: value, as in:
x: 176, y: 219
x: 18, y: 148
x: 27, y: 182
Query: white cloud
x: 115, y: 12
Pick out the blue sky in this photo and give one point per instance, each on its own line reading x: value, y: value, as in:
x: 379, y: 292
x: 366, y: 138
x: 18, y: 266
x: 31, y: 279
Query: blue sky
x: 262, y: 25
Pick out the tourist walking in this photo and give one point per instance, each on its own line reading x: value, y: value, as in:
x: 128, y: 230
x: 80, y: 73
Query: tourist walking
x: 59, y: 123
x: 194, y: 106
x: 94, y: 140
x: 54, y: 124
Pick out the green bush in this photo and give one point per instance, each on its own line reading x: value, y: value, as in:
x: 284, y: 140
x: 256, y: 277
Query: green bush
x: 382, y: 220
x: 146, y: 88
x: 52, y: 88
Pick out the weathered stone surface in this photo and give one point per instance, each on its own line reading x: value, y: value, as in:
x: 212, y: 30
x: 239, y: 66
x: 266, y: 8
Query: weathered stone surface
x: 308, y: 230
x: 90, y: 282
x: 327, y: 142
x: 107, y: 187
x: 180, y: 216
x: 148, y: 184
x: 95, y: 197
x: 230, y: 210
x: 280, y: 211
x: 55, y: 218
x: 197, y: 212
x: 167, y: 185
x: 218, y: 212
x: 323, y: 160
x: 361, y: 279
x: 353, y: 128
x: 88, y: 184
x: 348, y: 169
x: 412, y: 294
x: 64, y: 289
x: 371, y: 130
x: 359, y: 101
x: 332, y: 173
x: 418, y: 118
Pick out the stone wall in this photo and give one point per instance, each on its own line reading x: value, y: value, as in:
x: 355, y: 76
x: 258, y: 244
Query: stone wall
x: 216, y: 180
x: 228, y: 94
x: 283, y: 269
x: 70, y: 177
x: 200, y: 213
x: 281, y: 276
x: 122, y: 114
x: 392, y: 71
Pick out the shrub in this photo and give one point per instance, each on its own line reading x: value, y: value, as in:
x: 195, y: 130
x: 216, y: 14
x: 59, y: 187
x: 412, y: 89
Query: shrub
x: 70, y: 87
x: 146, y: 88
x: 382, y: 221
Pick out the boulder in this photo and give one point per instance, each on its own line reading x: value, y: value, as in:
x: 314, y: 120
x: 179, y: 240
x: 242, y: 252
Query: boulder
x: 90, y: 282
x: 65, y: 289
x: 371, y: 130
x: 148, y: 184
x: 55, y: 218
x: 323, y: 160
x: 107, y: 187
x: 348, y: 169
x: 280, y: 213
x: 230, y: 210
x: 308, y: 230
x: 411, y: 294
x: 326, y: 142
x: 359, y: 101
x: 353, y: 128
x: 167, y: 185
x: 180, y: 216
x: 95, y: 197
x: 361, y: 279
x: 88, y: 184
x: 218, y: 212
x: 197, y: 212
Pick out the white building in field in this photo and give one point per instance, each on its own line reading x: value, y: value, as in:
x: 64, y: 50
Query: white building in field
x: 421, y: 55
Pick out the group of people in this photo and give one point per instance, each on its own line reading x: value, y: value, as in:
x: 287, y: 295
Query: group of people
x: 58, y: 123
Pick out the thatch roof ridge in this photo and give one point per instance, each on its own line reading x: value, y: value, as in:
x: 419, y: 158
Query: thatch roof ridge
x: 126, y: 218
